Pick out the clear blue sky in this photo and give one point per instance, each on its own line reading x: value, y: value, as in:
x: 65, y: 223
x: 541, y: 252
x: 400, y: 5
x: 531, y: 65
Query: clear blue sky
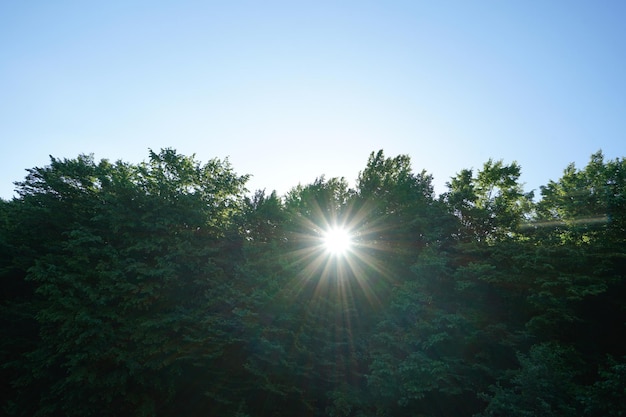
x: 292, y: 90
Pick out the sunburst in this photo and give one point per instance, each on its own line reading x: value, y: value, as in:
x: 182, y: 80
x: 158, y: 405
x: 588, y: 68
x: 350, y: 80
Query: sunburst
x: 337, y: 241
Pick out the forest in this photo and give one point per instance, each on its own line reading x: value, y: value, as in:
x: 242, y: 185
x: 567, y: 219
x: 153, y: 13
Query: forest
x: 166, y: 288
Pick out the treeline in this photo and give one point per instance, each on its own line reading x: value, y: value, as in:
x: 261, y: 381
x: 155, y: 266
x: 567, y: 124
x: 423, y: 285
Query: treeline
x: 164, y: 289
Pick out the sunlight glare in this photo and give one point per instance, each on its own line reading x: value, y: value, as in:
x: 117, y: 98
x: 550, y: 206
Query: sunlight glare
x: 337, y: 241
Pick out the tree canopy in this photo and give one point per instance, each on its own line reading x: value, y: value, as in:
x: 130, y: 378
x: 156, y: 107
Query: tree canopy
x: 167, y: 288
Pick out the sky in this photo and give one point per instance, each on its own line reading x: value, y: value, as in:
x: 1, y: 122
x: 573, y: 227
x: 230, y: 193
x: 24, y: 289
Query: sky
x: 292, y: 90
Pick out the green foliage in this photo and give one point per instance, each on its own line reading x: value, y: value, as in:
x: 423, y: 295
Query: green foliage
x: 607, y: 393
x: 490, y: 205
x: 162, y: 288
x: 587, y: 204
x: 323, y: 198
x: 132, y: 281
x: 543, y: 386
x: 391, y: 194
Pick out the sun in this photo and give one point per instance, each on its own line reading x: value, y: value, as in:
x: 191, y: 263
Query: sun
x: 337, y: 241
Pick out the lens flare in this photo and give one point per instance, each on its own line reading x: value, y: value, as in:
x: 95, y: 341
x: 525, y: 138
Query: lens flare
x: 337, y: 241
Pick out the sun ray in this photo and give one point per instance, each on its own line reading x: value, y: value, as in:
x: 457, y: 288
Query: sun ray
x: 336, y: 253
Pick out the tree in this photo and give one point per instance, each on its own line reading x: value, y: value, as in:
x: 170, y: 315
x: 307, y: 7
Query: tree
x: 491, y: 204
x: 133, y: 284
x: 607, y: 394
x: 580, y: 236
x: 161, y: 288
x: 588, y: 203
x: 543, y: 386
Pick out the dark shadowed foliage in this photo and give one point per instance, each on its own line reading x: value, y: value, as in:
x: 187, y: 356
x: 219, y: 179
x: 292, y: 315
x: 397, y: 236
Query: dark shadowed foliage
x: 164, y: 288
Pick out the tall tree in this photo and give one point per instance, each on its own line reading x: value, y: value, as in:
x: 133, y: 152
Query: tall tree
x: 133, y: 284
x: 587, y: 202
x: 491, y: 204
